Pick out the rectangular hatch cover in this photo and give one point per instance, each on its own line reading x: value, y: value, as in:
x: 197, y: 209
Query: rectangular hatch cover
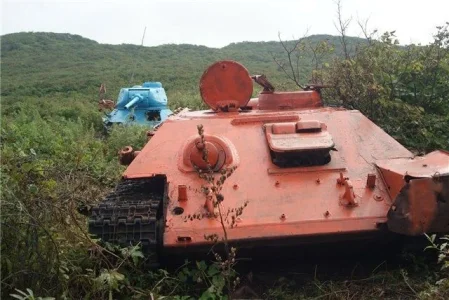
x: 302, y: 143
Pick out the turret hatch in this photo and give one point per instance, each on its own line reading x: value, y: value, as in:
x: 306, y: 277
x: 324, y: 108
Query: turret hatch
x: 302, y: 143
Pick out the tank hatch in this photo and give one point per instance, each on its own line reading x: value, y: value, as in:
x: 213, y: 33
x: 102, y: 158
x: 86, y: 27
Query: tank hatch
x: 226, y: 86
x: 302, y: 143
x: 221, y: 153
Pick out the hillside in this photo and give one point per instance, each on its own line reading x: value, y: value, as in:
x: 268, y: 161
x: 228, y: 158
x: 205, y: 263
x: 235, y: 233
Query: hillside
x: 38, y: 64
x: 57, y: 161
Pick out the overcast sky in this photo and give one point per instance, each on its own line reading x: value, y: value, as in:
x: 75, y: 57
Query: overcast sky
x: 216, y: 23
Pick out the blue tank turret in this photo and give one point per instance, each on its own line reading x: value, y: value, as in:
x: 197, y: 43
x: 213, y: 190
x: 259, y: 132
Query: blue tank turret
x: 144, y: 104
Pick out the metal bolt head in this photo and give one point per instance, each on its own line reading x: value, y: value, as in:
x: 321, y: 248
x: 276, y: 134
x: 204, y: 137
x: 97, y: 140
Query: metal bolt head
x: 378, y: 197
x: 327, y: 214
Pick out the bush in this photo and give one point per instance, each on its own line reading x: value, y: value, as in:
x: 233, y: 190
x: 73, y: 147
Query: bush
x: 51, y: 169
x: 402, y: 89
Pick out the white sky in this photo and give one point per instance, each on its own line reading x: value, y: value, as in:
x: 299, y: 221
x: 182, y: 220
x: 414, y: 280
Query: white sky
x: 218, y: 23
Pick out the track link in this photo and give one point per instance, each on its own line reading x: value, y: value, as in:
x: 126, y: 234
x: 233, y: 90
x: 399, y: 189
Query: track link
x: 133, y: 214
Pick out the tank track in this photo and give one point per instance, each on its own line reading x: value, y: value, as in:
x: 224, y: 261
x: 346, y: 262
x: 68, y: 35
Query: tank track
x: 133, y: 213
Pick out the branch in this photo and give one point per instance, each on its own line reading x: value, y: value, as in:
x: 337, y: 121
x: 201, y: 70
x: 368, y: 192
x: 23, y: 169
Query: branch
x: 293, y: 66
x: 283, y: 69
x: 341, y: 27
x: 364, y: 27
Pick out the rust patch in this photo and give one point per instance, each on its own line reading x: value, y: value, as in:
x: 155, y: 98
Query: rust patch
x: 127, y: 155
x: 422, y: 206
x: 265, y: 118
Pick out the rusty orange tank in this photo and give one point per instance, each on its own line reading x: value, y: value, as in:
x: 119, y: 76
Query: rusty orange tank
x: 284, y: 168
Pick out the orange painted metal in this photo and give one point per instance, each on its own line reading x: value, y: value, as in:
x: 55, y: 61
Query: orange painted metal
x: 422, y: 206
x: 271, y: 190
x: 420, y: 189
x: 271, y: 100
x: 226, y: 85
x: 182, y: 193
x: 421, y: 215
x: 395, y: 170
x: 127, y: 155
x: 436, y: 162
x: 289, y: 100
x: 196, y: 155
x: 285, y: 137
x: 353, y: 193
x: 223, y: 154
x: 371, y: 181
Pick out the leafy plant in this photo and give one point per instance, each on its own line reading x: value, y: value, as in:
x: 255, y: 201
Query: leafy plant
x: 28, y: 296
x: 214, y: 198
x: 441, y: 288
x: 403, y: 89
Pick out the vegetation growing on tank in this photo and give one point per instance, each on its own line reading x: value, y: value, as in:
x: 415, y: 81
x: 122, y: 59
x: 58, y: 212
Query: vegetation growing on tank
x: 212, y: 191
x: 55, y: 157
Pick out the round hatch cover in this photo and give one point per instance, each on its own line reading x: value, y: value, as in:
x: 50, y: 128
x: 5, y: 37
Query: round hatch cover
x: 226, y: 86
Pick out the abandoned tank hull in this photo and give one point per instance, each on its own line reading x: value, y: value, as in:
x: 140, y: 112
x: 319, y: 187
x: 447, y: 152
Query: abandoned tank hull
x: 286, y: 202
x: 301, y: 174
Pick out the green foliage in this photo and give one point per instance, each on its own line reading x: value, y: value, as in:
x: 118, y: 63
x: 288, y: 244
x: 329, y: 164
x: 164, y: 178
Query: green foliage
x: 55, y: 163
x: 56, y: 160
x: 28, y: 296
x: 121, y: 135
x: 208, y: 276
x: 441, y: 289
x: 384, y: 284
x: 403, y: 89
x: 46, y: 64
x: 307, y: 52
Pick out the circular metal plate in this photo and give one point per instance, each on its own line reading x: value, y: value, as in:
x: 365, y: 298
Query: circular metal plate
x: 226, y: 85
x: 196, y: 156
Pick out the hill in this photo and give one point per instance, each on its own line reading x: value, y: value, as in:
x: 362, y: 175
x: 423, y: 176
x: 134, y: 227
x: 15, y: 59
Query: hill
x: 56, y: 161
x: 38, y: 64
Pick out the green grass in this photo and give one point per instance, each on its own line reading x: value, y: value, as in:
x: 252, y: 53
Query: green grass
x: 56, y: 159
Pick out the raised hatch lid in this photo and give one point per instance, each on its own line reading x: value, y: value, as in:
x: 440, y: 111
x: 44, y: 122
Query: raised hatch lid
x: 298, y: 136
x: 302, y: 143
x: 226, y: 86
